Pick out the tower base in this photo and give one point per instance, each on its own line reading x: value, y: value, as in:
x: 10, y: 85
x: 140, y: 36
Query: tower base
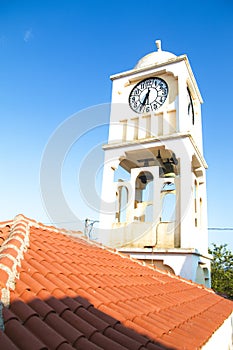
x: 186, y: 263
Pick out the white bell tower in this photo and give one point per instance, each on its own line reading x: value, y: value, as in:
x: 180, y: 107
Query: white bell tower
x: 154, y: 183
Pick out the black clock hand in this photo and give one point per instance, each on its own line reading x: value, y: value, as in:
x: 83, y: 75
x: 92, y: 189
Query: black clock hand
x: 146, y: 98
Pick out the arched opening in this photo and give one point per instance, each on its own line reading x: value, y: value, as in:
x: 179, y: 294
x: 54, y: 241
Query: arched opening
x: 122, y: 195
x: 143, y: 208
x: 166, y: 235
x: 168, y: 197
x: 121, y: 174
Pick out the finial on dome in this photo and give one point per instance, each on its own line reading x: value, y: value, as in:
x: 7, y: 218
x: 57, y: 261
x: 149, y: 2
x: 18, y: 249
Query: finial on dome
x: 158, y: 44
x: 155, y: 57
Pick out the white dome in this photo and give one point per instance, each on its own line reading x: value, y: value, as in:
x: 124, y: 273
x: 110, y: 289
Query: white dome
x: 152, y: 58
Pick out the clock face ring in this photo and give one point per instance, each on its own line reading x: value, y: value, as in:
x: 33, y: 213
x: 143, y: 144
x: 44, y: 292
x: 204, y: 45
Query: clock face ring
x: 148, y: 95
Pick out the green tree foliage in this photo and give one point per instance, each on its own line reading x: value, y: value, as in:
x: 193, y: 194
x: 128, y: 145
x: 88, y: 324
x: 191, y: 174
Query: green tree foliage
x: 222, y: 270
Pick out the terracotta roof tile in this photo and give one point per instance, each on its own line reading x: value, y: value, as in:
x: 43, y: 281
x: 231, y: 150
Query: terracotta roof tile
x: 112, y: 312
x: 87, y: 329
x: 30, y: 282
x: 122, y: 339
x: 19, y: 334
x: 65, y: 293
x: 84, y: 344
x: 45, y: 333
x: 63, y: 328
x: 43, y: 309
x: 22, y: 310
x: 105, y: 343
x: 5, y: 228
x: 72, y: 303
x: 6, y: 343
x: 79, y: 281
x: 131, y: 334
x: 92, y: 319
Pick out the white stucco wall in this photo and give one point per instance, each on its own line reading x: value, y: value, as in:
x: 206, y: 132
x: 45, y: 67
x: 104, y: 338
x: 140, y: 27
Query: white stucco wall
x: 222, y: 339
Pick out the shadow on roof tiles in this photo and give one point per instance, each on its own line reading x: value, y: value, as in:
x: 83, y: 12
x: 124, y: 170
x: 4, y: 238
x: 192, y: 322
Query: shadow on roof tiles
x: 68, y: 323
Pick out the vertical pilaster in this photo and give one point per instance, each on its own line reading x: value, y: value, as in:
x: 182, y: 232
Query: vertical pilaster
x: 108, y: 202
x: 186, y: 214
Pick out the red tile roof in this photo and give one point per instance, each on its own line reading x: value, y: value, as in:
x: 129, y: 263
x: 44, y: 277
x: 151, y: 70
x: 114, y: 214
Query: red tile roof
x: 62, y: 292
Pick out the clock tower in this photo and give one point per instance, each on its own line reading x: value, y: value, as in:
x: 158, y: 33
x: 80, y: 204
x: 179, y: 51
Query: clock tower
x: 154, y: 179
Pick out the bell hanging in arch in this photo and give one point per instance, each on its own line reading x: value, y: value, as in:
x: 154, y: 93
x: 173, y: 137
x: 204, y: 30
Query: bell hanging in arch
x: 168, y: 169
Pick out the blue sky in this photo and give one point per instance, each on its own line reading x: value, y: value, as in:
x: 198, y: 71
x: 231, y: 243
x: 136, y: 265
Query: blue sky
x: 56, y: 58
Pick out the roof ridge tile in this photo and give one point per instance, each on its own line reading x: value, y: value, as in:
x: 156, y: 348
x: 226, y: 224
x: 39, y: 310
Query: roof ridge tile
x: 19, y: 232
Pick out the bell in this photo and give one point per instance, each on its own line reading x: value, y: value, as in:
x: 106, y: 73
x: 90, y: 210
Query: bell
x: 168, y: 169
x: 146, y: 177
x: 173, y: 159
x: 143, y: 179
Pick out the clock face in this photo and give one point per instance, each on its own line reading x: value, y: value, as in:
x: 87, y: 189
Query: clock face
x: 148, y: 95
